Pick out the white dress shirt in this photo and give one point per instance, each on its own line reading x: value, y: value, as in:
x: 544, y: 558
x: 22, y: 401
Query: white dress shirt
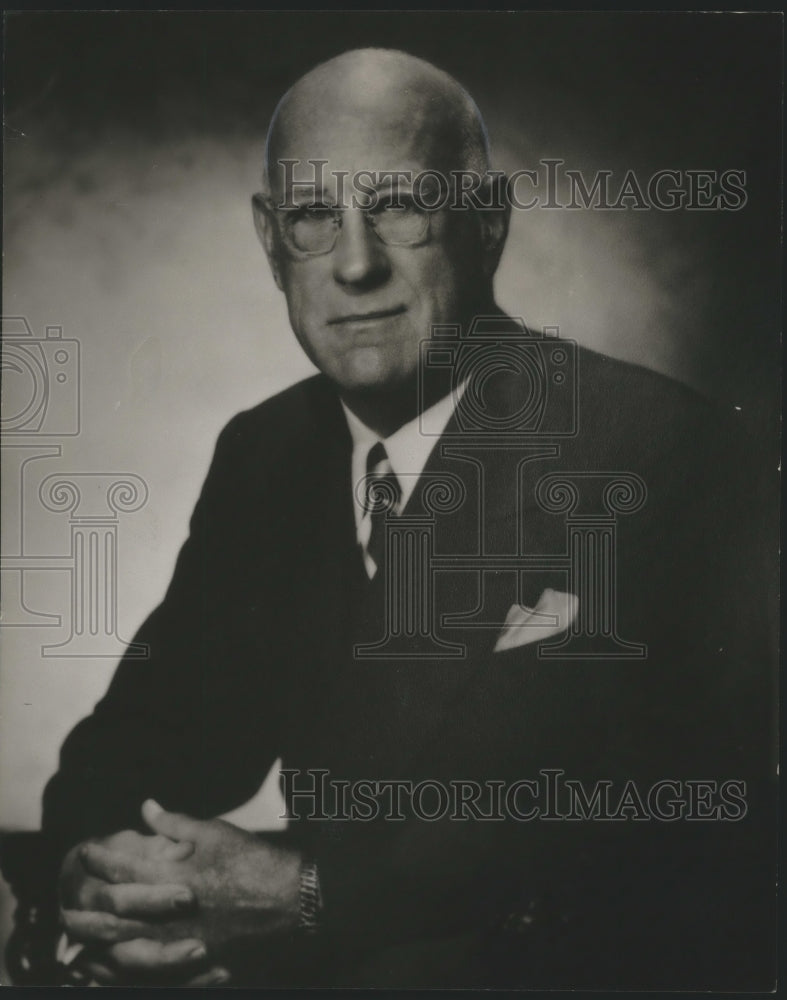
x: 408, y: 449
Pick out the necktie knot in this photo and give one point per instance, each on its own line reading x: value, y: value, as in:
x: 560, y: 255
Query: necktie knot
x: 383, y: 492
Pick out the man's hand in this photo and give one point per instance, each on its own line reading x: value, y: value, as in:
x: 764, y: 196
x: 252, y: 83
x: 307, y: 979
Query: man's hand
x: 128, y: 930
x: 136, y: 898
x: 79, y: 889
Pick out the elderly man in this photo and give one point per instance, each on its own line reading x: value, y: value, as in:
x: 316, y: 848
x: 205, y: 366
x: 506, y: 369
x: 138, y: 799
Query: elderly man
x: 277, y: 637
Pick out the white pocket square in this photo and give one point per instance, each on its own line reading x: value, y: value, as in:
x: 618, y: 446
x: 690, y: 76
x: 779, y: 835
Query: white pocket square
x: 553, y: 613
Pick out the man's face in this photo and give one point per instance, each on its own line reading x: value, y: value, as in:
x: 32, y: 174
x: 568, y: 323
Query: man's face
x: 361, y: 310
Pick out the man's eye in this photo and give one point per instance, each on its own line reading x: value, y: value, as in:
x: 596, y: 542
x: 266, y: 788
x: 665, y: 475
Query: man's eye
x: 314, y: 213
x: 399, y: 204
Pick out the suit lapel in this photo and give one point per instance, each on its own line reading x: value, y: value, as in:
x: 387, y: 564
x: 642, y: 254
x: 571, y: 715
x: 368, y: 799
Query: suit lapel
x: 477, y: 496
x: 500, y: 515
x: 374, y: 716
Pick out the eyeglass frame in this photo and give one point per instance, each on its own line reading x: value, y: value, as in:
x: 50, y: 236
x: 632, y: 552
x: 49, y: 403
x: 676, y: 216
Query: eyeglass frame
x: 266, y: 204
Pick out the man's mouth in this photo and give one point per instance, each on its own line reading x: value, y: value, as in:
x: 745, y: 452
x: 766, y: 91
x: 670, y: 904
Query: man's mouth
x: 367, y: 317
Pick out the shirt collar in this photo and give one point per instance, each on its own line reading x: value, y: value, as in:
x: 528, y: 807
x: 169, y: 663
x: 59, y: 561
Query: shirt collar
x: 409, y: 447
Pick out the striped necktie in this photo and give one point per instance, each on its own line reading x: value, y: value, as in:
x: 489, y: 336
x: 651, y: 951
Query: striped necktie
x: 383, y: 497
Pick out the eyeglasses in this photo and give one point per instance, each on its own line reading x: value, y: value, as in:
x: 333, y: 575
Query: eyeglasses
x: 312, y: 230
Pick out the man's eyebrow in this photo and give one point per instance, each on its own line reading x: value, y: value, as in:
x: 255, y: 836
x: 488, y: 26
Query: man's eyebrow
x: 391, y: 183
x: 305, y: 194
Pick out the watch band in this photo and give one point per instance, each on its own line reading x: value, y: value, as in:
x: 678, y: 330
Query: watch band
x: 310, y: 898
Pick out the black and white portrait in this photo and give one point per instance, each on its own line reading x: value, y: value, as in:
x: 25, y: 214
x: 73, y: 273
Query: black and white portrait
x: 390, y: 447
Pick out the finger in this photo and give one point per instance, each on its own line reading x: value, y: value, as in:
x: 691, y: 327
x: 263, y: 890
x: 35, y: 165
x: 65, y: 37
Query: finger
x: 213, y: 977
x: 95, y: 927
x: 143, y: 955
x: 145, y: 846
x: 131, y: 899
x: 113, y: 866
x: 98, y: 972
x: 172, y: 850
x: 86, y: 896
x: 76, y: 893
x: 176, y: 826
x: 125, y: 841
x: 141, y: 845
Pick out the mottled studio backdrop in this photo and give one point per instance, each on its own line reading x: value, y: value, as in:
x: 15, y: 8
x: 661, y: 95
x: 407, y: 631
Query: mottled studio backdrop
x: 133, y: 143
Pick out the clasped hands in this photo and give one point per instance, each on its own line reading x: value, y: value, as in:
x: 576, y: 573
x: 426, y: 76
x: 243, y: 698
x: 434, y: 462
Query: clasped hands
x: 175, y: 905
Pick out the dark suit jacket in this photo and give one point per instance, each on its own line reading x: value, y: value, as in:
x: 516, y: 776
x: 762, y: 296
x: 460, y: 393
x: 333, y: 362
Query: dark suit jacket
x: 251, y: 658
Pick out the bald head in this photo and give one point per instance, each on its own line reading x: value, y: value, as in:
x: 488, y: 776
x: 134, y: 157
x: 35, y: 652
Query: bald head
x: 365, y: 157
x: 380, y: 100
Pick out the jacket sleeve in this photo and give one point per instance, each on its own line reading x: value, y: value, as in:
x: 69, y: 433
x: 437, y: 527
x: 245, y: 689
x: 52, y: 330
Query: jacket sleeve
x: 173, y: 724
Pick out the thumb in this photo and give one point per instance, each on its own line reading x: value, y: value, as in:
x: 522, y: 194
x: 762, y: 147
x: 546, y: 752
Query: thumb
x: 176, y: 826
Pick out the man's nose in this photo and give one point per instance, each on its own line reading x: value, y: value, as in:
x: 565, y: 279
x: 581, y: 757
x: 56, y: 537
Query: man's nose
x: 360, y: 259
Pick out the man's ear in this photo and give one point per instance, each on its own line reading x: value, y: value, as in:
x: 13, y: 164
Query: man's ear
x: 265, y: 227
x: 494, y: 225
